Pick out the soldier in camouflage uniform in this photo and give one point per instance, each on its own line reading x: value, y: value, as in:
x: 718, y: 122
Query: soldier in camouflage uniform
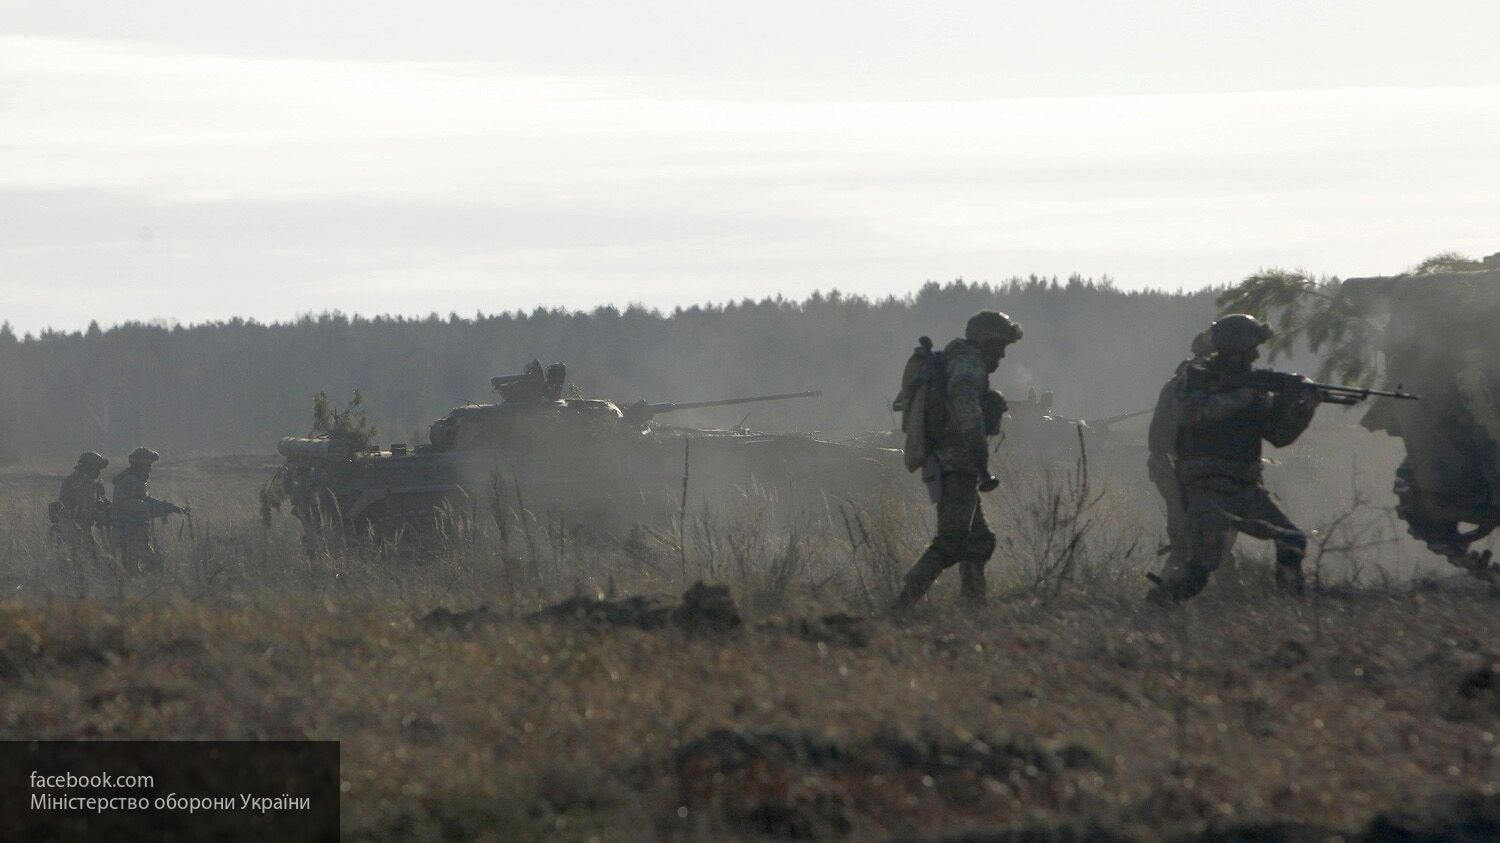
x: 1161, y: 463
x: 80, y: 506
x: 133, y: 510
x: 1221, y: 424
x: 962, y: 456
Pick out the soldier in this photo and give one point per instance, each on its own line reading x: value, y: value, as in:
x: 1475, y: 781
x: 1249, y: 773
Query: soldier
x: 957, y: 445
x: 80, y: 506
x: 1221, y: 423
x: 1161, y: 441
x: 133, y: 510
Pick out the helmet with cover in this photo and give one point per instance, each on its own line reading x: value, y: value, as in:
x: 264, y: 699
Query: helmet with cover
x: 1237, y: 333
x: 991, y: 327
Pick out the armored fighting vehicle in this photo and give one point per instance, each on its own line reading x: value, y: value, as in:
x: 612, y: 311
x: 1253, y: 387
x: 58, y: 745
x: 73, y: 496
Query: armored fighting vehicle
x: 1436, y: 334
x: 1035, y: 435
x: 1036, y: 414
x: 543, y: 450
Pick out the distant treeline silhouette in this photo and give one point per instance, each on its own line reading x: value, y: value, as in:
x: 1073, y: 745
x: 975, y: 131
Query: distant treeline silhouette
x: 237, y: 385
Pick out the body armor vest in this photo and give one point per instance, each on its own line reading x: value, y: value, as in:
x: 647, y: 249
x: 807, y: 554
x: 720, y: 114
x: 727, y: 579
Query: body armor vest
x: 1237, y: 438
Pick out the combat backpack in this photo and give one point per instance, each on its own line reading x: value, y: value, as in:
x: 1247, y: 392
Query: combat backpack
x: 921, y: 401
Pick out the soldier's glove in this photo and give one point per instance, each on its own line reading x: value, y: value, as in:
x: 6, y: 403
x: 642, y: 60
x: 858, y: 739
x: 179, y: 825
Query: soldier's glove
x: 988, y: 482
x: 992, y: 405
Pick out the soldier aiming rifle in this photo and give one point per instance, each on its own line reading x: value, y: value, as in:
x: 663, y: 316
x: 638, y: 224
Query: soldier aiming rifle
x: 1223, y: 411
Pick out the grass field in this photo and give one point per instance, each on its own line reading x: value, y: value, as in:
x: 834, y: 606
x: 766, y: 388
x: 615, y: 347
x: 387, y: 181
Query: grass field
x: 1063, y: 709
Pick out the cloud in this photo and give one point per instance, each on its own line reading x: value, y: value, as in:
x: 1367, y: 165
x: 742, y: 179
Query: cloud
x: 273, y: 186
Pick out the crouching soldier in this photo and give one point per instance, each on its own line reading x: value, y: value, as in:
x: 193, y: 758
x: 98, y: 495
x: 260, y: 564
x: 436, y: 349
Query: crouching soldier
x: 1222, y: 421
x: 949, y: 410
x: 133, y: 510
x: 80, y: 507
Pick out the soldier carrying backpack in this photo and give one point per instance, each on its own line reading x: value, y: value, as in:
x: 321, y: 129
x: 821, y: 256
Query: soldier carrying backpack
x: 948, y: 411
x: 80, y: 507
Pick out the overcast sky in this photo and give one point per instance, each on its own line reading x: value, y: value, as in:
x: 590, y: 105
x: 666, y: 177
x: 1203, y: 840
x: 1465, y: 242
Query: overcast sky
x: 201, y: 160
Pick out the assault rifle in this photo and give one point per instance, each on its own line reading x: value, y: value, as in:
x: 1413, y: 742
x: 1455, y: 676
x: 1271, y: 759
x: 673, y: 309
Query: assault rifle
x: 1271, y: 380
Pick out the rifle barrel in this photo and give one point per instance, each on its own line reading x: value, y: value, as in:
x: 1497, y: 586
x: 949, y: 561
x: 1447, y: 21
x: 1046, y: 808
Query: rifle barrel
x: 1362, y: 392
x: 1335, y: 393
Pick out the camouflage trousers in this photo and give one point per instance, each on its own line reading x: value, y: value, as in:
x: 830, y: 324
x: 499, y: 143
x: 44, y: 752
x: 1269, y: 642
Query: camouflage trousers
x: 1164, y: 476
x: 1222, y: 499
x: 963, y: 539
x: 138, y: 552
x: 76, y: 540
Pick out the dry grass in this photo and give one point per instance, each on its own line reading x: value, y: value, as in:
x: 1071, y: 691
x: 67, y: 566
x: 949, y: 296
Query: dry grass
x: 1064, y: 705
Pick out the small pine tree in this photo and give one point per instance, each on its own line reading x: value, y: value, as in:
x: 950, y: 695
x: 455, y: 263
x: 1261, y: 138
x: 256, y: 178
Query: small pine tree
x: 1310, y: 310
x: 351, y: 425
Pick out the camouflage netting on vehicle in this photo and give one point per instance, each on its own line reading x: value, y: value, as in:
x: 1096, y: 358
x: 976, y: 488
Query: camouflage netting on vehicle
x: 1429, y: 331
x: 1438, y: 339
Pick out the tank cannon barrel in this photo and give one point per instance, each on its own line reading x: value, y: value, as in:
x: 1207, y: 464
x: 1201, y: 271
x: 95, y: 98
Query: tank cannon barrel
x: 725, y: 402
x: 643, y: 412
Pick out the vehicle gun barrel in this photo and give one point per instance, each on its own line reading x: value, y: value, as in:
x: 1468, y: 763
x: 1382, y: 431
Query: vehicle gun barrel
x: 1104, y: 423
x: 666, y: 407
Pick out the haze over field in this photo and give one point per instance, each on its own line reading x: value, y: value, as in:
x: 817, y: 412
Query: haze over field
x: 160, y: 160
x: 283, y: 252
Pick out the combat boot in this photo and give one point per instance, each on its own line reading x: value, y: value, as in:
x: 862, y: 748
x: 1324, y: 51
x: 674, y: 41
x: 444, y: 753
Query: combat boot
x: 972, y: 587
x: 1479, y: 565
x: 1160, y: 598
x: 906, y: 600
x: 1289, y: 579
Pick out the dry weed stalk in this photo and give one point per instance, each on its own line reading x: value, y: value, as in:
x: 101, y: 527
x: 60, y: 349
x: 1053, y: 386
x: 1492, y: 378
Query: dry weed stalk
x: 1048, y: 533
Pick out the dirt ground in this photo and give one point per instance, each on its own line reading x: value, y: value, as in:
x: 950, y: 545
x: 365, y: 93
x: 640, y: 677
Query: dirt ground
x: 1067, y: 715
x: 575, y: 691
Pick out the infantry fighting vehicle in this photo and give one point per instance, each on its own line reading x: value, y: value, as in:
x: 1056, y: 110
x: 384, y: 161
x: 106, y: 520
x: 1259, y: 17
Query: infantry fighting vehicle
x: 1035, y: 434
x: 541, y: 450
x: 1437, y: 337
x: 1035, y: 415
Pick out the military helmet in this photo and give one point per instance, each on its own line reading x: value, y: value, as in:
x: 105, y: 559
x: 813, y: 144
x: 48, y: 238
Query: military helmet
x: 988, y: 326
x: 1237, y: 333
x: 1203, y: 344
x: 92, y: 459
x: 143, y: 456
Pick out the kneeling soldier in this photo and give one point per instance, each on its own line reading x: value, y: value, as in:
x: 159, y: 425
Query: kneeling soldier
x: 1221, y: 423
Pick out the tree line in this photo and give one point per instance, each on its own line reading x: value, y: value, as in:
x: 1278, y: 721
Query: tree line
x: 235, y: 386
